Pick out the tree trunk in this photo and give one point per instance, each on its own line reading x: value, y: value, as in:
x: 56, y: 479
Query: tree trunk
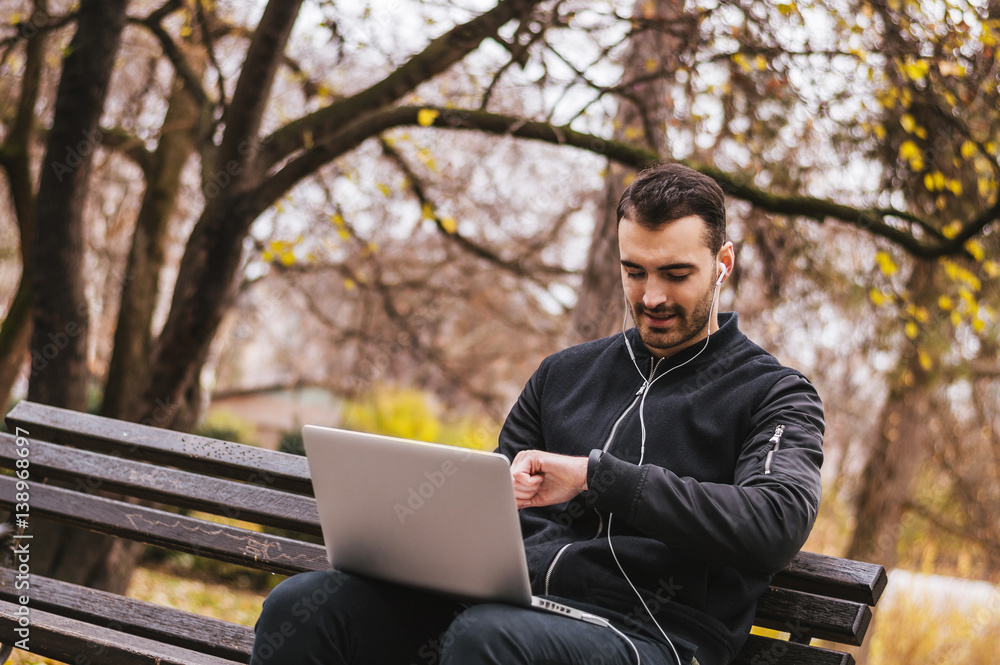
x: 900, y: 448
x: 207, y: 275
x: 14, y: 337
x: 15, y: 334
x: 59, y: 340
x: 140, y: 289
x: 600, y: 307
x: 59, y: 373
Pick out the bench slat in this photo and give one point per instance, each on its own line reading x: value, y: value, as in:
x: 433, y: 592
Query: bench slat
x: 760, y: 650
x: 72, y: 641
x: 164, y: 624
x: 178, y: 532
x: 163, y: 447
x: 89, y: 471
x: 815, y: 616
x: 825, y: 575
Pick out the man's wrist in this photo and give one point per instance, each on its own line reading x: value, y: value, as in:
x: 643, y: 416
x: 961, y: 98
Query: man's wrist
x: 593, y: 462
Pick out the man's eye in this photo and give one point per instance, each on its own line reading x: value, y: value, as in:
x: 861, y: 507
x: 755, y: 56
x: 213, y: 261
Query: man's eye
x: 674, y: 277
x: 634, y: 275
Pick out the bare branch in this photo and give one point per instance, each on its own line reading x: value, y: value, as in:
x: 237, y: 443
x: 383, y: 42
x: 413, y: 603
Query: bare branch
x: 436, y: 58
x: 516, y: 266
x: 191, y: 80
x: 875, y: 221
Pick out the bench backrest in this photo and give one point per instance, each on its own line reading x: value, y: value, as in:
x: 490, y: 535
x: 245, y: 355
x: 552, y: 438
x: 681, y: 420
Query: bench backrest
x: 816, y: 596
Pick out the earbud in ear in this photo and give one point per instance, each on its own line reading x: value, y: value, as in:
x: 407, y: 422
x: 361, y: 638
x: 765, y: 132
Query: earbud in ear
x: 723, y: 271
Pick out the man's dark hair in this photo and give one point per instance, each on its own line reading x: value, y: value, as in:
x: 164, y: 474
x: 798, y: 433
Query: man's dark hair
x: 667, y: 192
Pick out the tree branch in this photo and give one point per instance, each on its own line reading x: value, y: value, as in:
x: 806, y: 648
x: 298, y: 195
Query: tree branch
x: 515, y: 266
x: 436, y: 58
x: 191, y: 80
x: 874, y: 220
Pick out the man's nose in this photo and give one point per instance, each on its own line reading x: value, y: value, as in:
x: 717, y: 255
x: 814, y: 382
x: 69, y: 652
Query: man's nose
x: 655, y: 294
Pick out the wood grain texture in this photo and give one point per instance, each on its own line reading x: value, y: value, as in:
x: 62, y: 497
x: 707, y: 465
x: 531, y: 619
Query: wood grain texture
x: 761, y: 650
x: 134, y: 617
x: 90, y: 472
x: 825, y: 575
x: 71, y: 641
x: 199, y: 454
x: 170, y: 530
x: 805, y: 616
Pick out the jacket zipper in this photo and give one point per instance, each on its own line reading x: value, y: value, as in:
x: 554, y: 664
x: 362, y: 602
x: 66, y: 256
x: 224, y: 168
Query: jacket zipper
x: 653, y: 363
x: 775, y: 440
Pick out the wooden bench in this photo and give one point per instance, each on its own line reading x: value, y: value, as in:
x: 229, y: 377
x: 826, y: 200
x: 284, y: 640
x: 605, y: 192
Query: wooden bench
x: 88, y: 457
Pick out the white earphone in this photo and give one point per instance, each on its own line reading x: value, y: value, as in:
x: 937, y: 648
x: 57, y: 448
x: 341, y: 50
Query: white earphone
x: 722, y: 274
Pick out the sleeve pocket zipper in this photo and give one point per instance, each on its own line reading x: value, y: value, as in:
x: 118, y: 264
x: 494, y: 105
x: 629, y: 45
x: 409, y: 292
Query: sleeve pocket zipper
x: 775, y: 442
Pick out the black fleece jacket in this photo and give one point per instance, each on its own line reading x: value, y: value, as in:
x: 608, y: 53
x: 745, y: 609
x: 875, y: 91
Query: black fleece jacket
x: 725, y: 495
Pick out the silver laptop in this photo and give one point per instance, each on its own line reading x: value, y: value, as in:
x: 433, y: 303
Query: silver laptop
x: 426, y: 515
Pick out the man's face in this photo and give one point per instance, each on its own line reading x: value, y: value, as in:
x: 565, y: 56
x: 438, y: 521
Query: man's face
x: 669, y: 279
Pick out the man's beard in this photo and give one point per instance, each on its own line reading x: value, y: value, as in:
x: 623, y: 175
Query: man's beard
x: 687, y: 325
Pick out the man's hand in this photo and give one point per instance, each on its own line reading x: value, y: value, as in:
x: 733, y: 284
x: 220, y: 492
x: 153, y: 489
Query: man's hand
x: 544, y: 479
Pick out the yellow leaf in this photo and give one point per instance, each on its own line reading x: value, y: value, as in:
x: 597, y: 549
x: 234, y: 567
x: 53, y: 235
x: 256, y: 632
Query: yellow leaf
x: 925, y: 360
x: 955, y: 187
x: 910, y: 152
x: 968, y: 149
x: 992, y: 268
x: 880, y: 131
x: 908, y: 123
x: 952, y: 229
x: 651, y: 65
x: 449, y: 224
x: 428, y: 211
x: 742, y: 62
x: 929, y: 182
x: 911, y: 330
x: 886, y: 264
x: 879, y: 298
x: 426, y: 117
x: 760, y: 63
x: 978, y: 325
x: 916, y: 70
x: 956, y: 318
x: 350, y: 284
x: 384, y: 188
x: 974, y: 248
x: 945, y: 303
x: 921, y: 315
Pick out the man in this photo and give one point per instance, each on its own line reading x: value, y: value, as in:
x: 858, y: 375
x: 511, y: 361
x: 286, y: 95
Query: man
x: 663, y: 475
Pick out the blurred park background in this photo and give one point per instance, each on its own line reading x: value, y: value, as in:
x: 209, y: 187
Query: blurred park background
x: 239, y: 216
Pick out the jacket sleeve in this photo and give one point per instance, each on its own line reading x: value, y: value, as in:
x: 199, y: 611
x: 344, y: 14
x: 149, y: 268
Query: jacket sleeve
x: 758, y: 522
x: 523, y: 427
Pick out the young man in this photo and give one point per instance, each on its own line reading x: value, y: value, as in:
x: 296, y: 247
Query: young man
x: 663, y: 475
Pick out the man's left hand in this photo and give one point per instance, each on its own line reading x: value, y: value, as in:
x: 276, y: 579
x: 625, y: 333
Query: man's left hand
x: 545, y: 479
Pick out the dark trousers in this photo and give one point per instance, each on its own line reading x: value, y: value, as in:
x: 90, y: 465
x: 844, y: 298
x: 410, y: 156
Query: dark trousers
x: 332, y: 618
